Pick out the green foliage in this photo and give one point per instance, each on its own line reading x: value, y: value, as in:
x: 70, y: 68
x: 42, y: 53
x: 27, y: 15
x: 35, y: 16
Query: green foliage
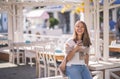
x: 53, y: 22
x: 101, y: 19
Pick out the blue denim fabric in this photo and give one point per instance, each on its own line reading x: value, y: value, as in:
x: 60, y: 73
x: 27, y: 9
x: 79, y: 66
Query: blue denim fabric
x: 78, y: 72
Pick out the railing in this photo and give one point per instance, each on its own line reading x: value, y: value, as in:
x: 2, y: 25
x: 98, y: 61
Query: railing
x: 33, y: 37
x: 111, y: 73
x: 56, y: 77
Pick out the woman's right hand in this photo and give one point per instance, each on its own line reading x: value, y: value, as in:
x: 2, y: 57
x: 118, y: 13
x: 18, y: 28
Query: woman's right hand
x: 77, y: 48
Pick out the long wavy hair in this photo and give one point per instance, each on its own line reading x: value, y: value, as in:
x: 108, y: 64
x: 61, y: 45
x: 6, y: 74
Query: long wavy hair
x: 85, y: 36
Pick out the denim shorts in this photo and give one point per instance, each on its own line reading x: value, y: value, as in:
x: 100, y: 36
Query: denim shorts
x: 78, y: 72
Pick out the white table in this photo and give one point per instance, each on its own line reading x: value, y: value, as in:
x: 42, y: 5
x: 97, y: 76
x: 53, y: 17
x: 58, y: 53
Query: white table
x: 105, y: 66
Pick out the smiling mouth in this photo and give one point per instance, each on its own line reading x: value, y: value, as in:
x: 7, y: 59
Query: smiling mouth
x: 79, y: 30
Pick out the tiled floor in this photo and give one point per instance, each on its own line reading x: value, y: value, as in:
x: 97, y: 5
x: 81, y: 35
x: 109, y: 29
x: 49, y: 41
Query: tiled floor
x: 16, y: 72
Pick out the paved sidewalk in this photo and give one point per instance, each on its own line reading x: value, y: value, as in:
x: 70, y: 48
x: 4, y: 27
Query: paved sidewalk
x: 9, y: 71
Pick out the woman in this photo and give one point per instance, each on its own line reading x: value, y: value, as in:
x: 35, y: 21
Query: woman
x: 77, y: 53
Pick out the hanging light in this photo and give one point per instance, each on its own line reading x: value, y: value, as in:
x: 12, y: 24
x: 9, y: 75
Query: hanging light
x: 65, y: 8
x: 78, y: 10
x: 81, y: 9
x: 82, y: 4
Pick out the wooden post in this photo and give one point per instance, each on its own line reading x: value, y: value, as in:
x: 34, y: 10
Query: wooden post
x: 106, y: 30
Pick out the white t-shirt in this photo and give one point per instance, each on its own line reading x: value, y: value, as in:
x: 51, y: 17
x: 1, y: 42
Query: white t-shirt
x: 75, y: 60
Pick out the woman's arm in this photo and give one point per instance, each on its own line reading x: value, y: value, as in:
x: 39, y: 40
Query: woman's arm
x: 72, y: 52
x: 70, y: 55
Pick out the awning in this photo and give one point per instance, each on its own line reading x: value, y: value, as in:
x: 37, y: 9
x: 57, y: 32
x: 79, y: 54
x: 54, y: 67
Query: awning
x: 37, y: 14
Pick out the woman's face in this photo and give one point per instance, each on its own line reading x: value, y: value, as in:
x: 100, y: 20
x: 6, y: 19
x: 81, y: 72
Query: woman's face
x: 79, y: 28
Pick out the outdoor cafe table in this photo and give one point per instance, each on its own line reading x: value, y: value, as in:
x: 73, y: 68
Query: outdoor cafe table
x: 105, y: 66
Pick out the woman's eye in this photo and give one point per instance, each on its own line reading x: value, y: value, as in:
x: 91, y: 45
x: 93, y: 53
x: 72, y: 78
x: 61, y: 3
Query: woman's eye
x: 82, y: 27
x: 79, y: 27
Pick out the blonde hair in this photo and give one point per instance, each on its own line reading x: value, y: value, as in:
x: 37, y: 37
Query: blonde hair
x: 85, y: 36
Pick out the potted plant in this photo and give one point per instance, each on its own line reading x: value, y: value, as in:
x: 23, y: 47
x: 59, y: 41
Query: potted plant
x: 53, y: 22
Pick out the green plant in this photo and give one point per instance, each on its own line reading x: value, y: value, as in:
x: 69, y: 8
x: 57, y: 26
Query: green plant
x: 101, y: 19
x: 53, y: 22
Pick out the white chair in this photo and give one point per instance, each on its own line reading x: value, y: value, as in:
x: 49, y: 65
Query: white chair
x: 40, y: 53
x: 113, y: 42
x: 29, y: 53
x: 15, y: 53
x: 51, y: 60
